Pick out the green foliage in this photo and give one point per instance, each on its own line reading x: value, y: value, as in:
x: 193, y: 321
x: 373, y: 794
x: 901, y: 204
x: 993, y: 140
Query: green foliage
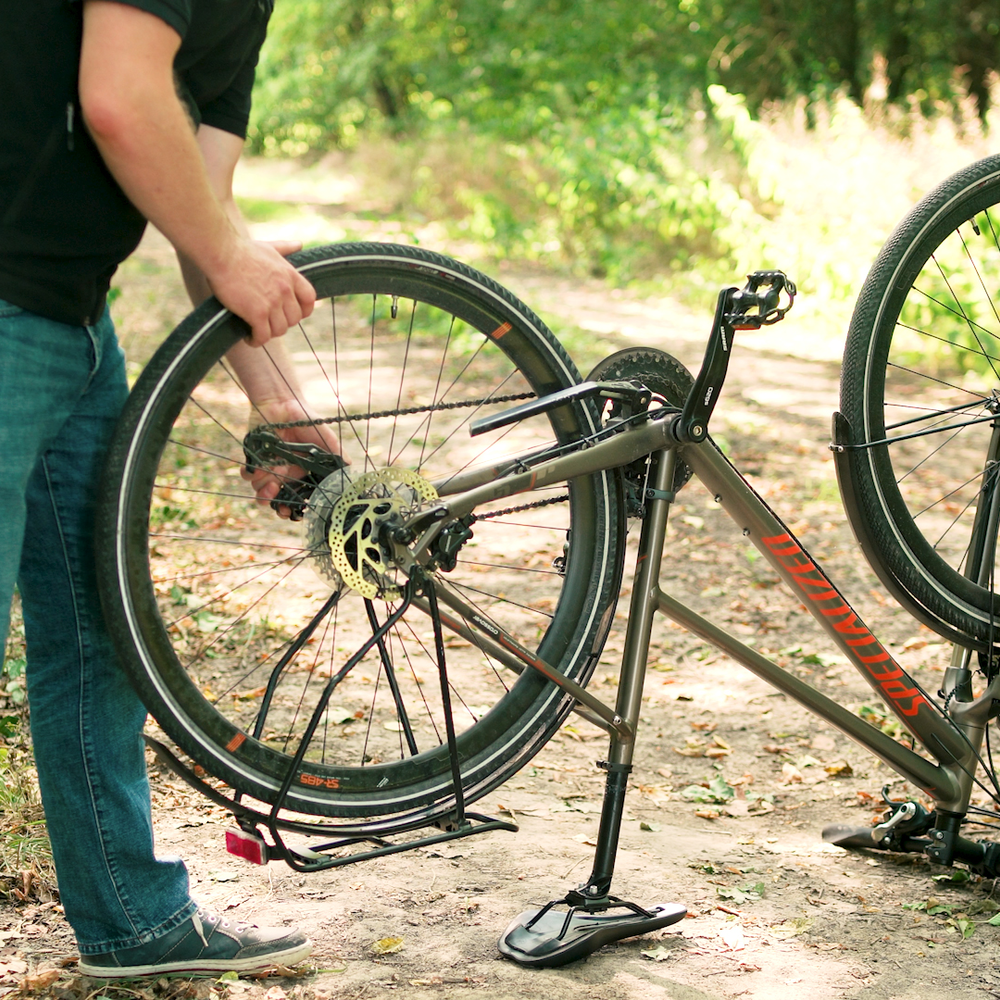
x: 718, y: 790
x: 875, y: 714
x: 623, y: 139
x: 13, y: 684
x: 25, y: 858
x: 334, y: 67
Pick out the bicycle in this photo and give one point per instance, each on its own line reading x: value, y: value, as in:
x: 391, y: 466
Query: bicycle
x: 432, y: 611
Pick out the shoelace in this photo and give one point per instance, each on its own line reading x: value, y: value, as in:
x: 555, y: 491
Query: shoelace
x: 213, y: 918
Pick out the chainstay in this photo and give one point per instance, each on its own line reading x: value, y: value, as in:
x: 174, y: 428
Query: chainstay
x: 562, y: 498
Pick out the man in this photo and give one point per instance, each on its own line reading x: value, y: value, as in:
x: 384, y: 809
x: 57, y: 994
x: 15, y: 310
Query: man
x: 113, y: 112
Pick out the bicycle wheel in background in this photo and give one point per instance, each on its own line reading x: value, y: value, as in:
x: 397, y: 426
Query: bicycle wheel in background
x: 212, y: 597
x: 920, y: 390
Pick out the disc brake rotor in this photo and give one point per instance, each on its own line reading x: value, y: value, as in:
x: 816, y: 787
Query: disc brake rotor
x: 366, y: 504
x: 317, y: 518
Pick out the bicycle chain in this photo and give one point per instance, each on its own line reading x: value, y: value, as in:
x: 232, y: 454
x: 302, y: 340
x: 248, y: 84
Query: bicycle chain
x: 409, y: 411
x: 434, y: 407
x: 517, y: 510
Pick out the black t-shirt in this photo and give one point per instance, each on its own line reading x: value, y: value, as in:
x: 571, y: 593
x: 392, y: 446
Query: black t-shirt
x: 65, y: 224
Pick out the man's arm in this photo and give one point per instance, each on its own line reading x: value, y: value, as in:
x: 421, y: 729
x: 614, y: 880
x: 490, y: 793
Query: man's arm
x: 131, y: 107
x: 267, y: 373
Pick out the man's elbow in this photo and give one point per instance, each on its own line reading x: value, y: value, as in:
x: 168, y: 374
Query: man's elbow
x: 108, y: 115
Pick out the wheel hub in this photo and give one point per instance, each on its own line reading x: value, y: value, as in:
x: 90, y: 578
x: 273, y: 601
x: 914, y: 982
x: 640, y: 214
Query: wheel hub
x: 346, y: 527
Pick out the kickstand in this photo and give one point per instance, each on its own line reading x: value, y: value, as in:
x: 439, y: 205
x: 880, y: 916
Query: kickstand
x: 593, y: 917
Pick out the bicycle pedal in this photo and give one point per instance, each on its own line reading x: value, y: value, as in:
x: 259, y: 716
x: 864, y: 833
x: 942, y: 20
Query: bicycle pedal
x: 246, y: 845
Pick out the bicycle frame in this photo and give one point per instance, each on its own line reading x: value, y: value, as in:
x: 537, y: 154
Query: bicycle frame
x: 953, y: 741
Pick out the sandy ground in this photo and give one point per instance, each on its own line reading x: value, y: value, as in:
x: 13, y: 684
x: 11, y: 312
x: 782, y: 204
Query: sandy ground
x: 773, y: 912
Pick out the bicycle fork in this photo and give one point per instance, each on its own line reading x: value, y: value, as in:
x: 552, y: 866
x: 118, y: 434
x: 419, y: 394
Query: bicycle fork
x: 971, y: 714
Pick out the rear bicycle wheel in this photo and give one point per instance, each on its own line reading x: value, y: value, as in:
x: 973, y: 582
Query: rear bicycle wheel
x: 231, y: 620
x: 920, y: 390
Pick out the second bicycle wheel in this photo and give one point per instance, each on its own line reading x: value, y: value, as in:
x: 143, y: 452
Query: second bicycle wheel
x: 920, y: 390
x: 232, y: 620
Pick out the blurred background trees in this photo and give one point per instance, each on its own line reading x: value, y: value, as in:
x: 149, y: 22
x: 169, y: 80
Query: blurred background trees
x: 334, y: 66
x: 624, y: 138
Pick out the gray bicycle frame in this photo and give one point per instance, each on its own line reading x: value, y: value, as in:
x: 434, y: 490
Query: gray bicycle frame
x: 953, y: 740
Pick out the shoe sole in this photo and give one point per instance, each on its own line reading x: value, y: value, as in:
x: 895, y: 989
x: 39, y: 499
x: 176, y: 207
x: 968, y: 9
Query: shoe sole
x: 290, y: 956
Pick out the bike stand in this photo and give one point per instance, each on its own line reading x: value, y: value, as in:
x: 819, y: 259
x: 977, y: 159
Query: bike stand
x: 550, y: 937
x: 247, y: 840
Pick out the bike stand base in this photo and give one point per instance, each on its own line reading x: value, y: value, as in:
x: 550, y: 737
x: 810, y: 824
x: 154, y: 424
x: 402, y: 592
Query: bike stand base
x: 550, y: 937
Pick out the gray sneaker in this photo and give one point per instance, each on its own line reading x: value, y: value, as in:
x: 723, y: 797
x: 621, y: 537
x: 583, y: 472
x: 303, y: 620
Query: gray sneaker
x: 203, y: 945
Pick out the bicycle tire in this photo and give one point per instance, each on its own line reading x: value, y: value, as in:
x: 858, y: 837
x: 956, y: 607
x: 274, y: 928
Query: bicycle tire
x: 403, y: 329
x: 921, y: 356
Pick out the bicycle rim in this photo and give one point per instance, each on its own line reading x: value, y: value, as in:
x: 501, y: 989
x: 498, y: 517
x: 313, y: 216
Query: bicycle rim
x: 208, y: 592
x: 920, y: 389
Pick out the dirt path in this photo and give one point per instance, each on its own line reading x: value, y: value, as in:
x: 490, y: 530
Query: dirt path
x: 774, y: 912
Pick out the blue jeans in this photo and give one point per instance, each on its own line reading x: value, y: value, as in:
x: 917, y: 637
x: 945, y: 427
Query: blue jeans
x: 61, y: 390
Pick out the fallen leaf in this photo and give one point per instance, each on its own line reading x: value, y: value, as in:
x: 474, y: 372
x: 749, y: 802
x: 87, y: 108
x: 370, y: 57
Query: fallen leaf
x: 742, y: 894
x: 657, y: 954
x: 707, y: 813
x: 790, y: 774
x: 734, y: 938
x: 387, y: 946
x: 790, y: 928
x: 716, y: 791
x: 40, y: 981
x: 839, y: 769
x: 964, y: 926
x: 649, y: 827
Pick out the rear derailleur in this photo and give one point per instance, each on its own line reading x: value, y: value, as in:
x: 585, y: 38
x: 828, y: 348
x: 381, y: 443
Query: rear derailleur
x: 263, y: 449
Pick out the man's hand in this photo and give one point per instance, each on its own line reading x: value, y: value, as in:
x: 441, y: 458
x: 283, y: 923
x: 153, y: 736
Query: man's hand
x: 261, y: 287
x: 267, y: 483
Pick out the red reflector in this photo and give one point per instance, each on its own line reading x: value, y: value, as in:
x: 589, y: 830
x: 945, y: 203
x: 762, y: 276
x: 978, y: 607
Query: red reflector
x: 248, y: 846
